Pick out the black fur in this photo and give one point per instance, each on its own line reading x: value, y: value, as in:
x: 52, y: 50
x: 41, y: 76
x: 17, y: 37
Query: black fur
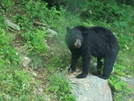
x: 52, y: 3
x: 97, y: 41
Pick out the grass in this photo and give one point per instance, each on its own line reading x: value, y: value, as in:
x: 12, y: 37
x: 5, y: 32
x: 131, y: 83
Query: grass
x: 44, y: 78
x: 14, y: 82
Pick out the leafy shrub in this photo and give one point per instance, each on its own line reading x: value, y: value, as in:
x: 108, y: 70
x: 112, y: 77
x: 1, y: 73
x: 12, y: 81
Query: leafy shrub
x: 109, y: 11
x: 36, y: 10
x: 2, y: 24
x: 23, y: 21
x: 14, y: 82
x: 35, y: 42
x: 6, y: 51
x: 59, y: 61
x: 5, y: 4
x: 3, y: 41
x: 119, y: 86
x: 60, y: 89
x: 37, y: 62
x: 130, y: 2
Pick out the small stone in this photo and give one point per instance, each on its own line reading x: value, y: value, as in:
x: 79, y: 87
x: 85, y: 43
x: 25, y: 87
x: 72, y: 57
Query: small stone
x: 35, y: 74
x: 25, y: 60
x: 50, y: 32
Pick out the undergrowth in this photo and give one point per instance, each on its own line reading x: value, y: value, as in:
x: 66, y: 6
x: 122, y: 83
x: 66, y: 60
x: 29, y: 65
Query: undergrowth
x: 58, y: 86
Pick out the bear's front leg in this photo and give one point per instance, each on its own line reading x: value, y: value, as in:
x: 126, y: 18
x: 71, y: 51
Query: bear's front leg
x: 74, y: 59
x: 85, y: 65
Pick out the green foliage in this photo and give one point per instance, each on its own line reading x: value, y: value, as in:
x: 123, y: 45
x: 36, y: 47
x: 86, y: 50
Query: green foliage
x: 14, y: 82
x: 58, y: 61
x: 125, y: 41
x: 37, y: 62
x: 10, y: 54
x: 2, y: 24
x: 60, y: 88
x: 3, y: 40
x: 107, y: 11
x: 6, y: 51
x: 36, y: 10
x: 23, y: 21
x: 119, y: 86
x: 127, y: 2
x: 5, y: 5
x: 35, y: 42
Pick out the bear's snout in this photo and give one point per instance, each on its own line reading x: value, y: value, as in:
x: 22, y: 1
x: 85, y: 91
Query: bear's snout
x: 77, y: 43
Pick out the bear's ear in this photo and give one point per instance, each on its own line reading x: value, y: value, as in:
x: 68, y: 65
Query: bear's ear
x: 68, y: 30
x: 85, y: 33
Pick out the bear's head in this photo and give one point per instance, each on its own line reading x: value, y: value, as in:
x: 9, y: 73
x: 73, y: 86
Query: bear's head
x: 75, y: 37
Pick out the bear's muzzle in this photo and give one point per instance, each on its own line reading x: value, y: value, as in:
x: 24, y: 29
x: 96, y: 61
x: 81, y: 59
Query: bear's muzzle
x: 77, y: 43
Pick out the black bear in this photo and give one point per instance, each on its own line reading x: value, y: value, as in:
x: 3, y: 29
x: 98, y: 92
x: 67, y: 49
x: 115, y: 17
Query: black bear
x: 52, y: 3
x: 97, y: 41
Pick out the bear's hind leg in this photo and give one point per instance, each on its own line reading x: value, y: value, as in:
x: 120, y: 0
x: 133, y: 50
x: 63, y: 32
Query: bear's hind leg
x: 108, y: 64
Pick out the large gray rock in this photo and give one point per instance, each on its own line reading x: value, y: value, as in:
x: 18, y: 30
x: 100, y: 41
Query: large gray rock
x: 90, y: 88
